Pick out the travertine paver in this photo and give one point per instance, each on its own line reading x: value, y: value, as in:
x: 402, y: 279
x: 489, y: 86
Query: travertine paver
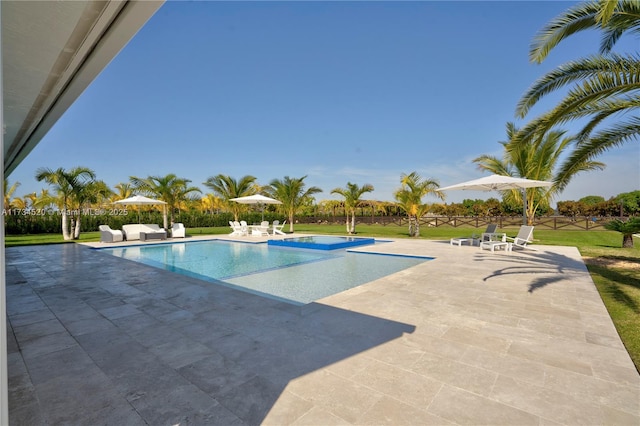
x: 471, y: 337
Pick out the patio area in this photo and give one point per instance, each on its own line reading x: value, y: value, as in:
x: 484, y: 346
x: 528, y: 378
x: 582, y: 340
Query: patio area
x: 472, y: 337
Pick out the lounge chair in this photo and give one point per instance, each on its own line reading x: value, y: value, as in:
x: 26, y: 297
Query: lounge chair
x: 488, y: 235
x: 108, y: 235
x: 524, y: 237
x: 178, y: 231
x: 244, y: 228
x: 277, y: 228
x: 237, y: 228
x: 262, y: 230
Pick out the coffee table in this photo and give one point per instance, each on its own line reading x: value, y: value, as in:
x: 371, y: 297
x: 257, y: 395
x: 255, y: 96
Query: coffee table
x: 156, y: 235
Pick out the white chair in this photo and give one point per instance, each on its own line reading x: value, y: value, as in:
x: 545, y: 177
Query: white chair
x: 524, y: 237
x: 277, y: 228
x: 178, y: 231
x: 108, y: 235
x: 262, y: 230
x: 244, y: 228
x: 490, y: 233
x: 236, y: 228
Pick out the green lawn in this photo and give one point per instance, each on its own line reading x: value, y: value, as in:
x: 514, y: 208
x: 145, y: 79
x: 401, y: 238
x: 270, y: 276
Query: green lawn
x: 615, y: 271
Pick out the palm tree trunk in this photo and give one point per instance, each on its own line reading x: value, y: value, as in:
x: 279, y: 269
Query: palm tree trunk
x: 627, y: 240
x: 76, y: 231
x: 353, y: 223
x: 65, y: 225
x: 347, y: 224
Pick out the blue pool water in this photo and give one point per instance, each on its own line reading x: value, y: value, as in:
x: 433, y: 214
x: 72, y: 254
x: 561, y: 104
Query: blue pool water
x: 322, y: 242
x: 296, y: 276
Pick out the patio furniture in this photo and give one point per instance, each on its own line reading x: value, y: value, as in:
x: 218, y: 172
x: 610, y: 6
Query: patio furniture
x: 132, y: 231
x: 277, y: 227
x: 524, y: 237
x: 261, y: 230
x: 108, y: 235
x: 493, y: 245
x: 178, y: 231
x: 490, y: 233
x: 459, y: 241
x: 153, y: 235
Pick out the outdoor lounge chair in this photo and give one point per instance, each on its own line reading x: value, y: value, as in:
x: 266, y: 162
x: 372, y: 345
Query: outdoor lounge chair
x: 277, y: 228
x: 244, y: 228
x: 524, y: 237
x: 178, y: 231
x: 108, y: 235
x: 488, y: 235
x: 237, y: 228
x: 262, y: 230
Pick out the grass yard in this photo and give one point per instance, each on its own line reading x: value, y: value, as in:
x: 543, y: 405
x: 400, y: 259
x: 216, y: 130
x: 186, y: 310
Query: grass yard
x: 614, y: 270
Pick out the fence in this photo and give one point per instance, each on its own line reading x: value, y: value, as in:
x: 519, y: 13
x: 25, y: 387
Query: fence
x: 553, y: 222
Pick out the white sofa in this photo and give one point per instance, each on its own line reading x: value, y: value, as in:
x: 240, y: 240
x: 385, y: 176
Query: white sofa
x: 132, y: 231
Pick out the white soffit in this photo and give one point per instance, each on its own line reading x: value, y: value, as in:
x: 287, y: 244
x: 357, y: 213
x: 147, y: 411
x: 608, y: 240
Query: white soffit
x: 51, y: 52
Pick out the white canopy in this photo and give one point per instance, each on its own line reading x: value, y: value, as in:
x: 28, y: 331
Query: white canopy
x: 501, y: 183
x: 138, y: 200
x: 498, y: 183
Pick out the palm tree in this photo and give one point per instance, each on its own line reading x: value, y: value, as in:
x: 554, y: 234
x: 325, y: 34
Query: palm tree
x: 628, y: 228
x: 603, y: 85
x: 227, y: 188
x: 352, y: 194
x: 171, y: 189
x: 122, y: 191
x: 8, y: 192
x: 537, y: 159
x: 68, y: 186
x: 410, y: 195
x: 89, y: 193
x: 293, y: 195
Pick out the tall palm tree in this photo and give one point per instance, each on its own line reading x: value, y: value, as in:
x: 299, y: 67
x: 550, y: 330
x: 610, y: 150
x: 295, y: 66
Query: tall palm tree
x: 409, y: 198
x: 88, y: 194
x: 537, y: 159
x: 122, y: 191
x: 602, y: 85
x: 8, y: 192
x: 292, y: 193
x: 171, y: 189
x: 352, y: 194
x: 68, y: 185
x: 227, y: 188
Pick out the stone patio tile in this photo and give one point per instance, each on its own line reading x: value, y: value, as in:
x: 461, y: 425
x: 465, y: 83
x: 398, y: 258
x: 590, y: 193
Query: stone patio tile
x: 26, y: 318
x: 46, y: 344
x: 320, y: 416
x: 287, y: 409
x: 38, y: 329
x: 545, y: 402
x: 392, y: 412
x: 465, y: 408
x: 403, y: 385
x: 341, y: 397
x: 506, y: 365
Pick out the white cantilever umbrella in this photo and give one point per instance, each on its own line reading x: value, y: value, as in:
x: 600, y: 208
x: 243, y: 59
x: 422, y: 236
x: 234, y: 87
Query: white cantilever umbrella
x: 501, y: 183
x: 139, y: 200
x: 256, y: 199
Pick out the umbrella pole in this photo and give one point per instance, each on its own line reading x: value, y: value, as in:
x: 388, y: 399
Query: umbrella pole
x: 524, y: 208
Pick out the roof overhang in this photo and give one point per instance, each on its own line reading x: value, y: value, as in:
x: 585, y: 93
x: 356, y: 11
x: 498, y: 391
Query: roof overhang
x: 51, y: 52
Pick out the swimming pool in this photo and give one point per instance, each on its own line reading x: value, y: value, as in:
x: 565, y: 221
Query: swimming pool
x: 297, y: 276
x: 322, y: 242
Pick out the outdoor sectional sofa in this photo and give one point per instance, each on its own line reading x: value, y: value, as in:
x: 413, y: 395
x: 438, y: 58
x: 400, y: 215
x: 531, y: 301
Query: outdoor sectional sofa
x: 132, y: 231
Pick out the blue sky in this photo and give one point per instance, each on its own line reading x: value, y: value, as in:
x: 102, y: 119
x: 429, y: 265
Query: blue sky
x: 338, y: 91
